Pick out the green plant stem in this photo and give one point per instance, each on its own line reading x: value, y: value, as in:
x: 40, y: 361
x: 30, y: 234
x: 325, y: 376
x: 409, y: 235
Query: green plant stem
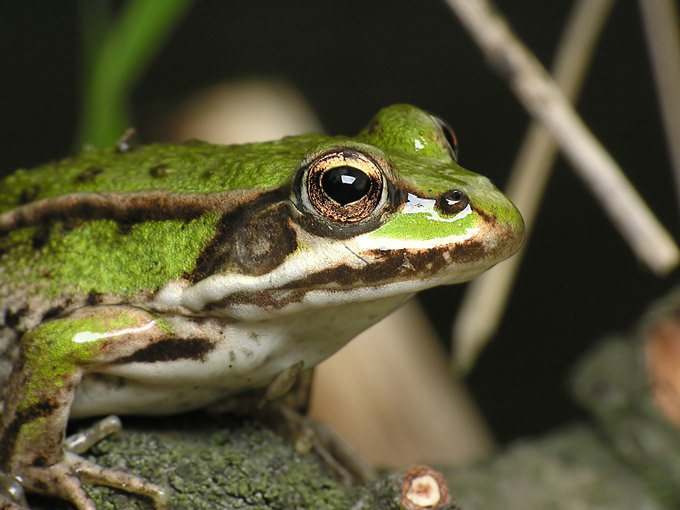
x: 115, y: 65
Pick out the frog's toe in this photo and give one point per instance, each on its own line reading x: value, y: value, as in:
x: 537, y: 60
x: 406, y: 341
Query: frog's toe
x: 94, y: 474
x: 6, y: 504
x: 64, y: 478
x: 348, y: 466
x: 11, y: 493
x: 59, y: 481
x: 82, y: 441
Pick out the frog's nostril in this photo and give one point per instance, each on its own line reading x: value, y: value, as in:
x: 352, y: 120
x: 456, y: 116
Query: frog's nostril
x: 453, y: 196
x: 452, y: 202
x: 449, y: 136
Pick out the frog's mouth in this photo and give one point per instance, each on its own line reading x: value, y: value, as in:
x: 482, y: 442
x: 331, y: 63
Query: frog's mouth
x: 344, y: 271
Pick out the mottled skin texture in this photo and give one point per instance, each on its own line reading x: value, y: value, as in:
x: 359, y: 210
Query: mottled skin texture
x: 169, y: 276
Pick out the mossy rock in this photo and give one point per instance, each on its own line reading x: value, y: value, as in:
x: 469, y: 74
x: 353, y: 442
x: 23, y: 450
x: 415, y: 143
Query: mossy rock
x: 571, y: 469
x: 211, y: 463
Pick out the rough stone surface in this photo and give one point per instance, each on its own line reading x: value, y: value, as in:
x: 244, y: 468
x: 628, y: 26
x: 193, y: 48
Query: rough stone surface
x: 212, y: 463
x: 569, y: 470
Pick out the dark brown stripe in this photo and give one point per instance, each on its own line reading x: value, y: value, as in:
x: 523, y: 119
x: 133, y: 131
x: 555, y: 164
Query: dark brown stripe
x: 41, y: 409
x: 12, y: 319
x: 123, y: 207
x: 384, y: 266
x: 29, y: 194
x: 53, y: 312
x: 94, y: 298
x: 387, y: 265
x: 171, y: 349
x: 89, y: 174
x: 264, y: 299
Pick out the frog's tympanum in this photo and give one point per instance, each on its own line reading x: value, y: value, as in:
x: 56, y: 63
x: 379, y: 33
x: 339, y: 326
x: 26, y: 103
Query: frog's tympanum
x: 165, y: 277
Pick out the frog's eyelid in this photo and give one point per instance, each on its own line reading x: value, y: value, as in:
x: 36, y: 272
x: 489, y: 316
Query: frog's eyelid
x: 449, y: 136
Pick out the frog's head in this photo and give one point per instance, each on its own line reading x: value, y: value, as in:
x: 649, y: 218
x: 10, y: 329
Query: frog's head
x: 384, y: 214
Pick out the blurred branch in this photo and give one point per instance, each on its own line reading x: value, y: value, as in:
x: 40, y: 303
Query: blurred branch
x: 485, y: 297
x: 122, y: 51
x: 544, y: 100
x: 95, y: 17
x: 663, y: 38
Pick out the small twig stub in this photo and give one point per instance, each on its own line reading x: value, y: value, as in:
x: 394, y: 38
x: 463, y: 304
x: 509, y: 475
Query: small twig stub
x: 424, y: 488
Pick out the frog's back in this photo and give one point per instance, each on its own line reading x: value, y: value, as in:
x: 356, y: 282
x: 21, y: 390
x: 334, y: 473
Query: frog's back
x: 192, y: 167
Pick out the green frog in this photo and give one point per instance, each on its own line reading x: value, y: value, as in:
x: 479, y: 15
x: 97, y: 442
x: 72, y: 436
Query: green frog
x: 162, y: 278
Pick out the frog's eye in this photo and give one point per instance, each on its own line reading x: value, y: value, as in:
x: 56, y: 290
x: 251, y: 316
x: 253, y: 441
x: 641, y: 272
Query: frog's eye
x: 452, y: 202
x: 449, y: 136
x: 344, y: 185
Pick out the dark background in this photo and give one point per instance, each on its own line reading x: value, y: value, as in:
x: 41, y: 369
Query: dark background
x: 350, y: 58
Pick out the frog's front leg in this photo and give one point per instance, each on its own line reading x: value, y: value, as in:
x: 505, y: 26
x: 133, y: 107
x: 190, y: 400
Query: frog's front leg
x: 53, y: 358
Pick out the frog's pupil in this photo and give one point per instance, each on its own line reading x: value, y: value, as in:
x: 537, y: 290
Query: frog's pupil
x: 345, y: 184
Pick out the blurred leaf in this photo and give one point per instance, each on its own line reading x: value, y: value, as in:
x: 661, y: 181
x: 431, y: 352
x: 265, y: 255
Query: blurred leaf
x: 115, y: 53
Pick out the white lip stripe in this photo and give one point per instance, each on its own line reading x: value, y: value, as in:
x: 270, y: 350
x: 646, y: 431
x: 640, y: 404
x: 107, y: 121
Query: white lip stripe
x: 303, y: 263
x: 415, y: 244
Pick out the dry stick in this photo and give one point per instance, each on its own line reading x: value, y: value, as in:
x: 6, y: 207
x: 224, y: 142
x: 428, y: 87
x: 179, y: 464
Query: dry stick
x: 485, y: 297
x: 663, y: 38
x: 544, y: 100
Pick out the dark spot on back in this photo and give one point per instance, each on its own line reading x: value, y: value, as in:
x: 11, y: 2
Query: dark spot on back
x: 28, y: 194
x: 89, y: 174
x: 53, y: 312
x: 159, y: 171
x: 41, y: 236
x: 125, y: 227
x: 12, y: 319
x: 71, y: 224
x: 93, y: 298
x: 171, y: 349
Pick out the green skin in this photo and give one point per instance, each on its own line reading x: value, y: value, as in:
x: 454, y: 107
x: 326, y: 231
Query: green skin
x: 170, y: 276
